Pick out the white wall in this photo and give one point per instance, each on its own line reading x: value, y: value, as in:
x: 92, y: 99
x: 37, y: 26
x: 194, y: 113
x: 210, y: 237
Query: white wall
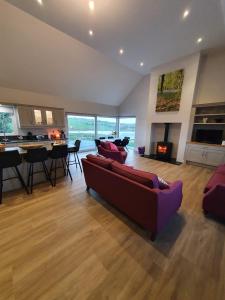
x: 190, y: 65
x: 211, y: 82
x: 26, y: 97
x: 135, y: 105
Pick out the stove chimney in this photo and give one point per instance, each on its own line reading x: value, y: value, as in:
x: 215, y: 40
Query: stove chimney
x: 166, y: 133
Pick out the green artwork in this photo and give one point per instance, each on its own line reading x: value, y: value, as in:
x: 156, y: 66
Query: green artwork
x: 169, y: 91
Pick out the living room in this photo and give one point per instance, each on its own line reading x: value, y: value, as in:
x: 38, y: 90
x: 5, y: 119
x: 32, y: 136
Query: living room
x: 112, y: 151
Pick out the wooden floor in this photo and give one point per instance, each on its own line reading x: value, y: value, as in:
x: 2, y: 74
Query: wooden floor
x: 62, y: 243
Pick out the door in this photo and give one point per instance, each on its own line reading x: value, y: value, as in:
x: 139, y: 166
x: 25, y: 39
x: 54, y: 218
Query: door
x: 215, y: 157
x: 82, y: 128
x: 59, y: 118
x: 25, y: 114
x: 195, y: 154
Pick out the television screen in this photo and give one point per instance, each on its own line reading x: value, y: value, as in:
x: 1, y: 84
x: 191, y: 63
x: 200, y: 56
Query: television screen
x: 209, y: 136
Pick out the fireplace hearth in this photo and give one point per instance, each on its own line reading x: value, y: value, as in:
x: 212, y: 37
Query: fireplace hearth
x: 164, y: 148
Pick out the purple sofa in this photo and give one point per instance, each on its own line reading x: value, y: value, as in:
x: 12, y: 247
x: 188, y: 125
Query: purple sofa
x: 136, y: 193
x: 119, y: 155
x: 214, y: 194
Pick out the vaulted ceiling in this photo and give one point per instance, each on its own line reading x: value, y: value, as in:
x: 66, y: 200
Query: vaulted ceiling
x: 70, y: 62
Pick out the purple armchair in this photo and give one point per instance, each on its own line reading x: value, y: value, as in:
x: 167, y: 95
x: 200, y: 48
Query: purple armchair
x: 214, y: 197
x: 119, y: 155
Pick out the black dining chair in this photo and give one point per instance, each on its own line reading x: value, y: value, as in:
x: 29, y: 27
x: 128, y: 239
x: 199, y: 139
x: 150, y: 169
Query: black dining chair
x: 97, y: 143
x: 74, y: 150
x: 125, y: 142
x: 102, y: 138
x: 33, y: 157
x: 59, y: 153
x: 110, y: 137
x: 118, y: 142
x: 10, y: 159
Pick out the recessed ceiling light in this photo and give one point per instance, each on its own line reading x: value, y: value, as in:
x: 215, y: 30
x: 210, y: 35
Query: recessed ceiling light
x: 91, y: 5
x: 186, y: 13
x: 199, y: 40
x: 91, y: 33
x: 40, y: 2
x: 141, y: 64
x: 121, y: 51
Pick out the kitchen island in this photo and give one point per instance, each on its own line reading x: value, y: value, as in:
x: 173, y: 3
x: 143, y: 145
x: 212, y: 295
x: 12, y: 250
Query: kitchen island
x: 14, y: 184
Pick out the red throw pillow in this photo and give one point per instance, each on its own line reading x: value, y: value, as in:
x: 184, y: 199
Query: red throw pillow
x: 113, y: 147
x: 105, y: 145
x: 145, y: 178
x: 100, y: 161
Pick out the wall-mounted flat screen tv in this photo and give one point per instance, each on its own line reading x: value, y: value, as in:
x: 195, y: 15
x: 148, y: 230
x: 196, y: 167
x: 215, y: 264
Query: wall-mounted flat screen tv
x: 209, y: 136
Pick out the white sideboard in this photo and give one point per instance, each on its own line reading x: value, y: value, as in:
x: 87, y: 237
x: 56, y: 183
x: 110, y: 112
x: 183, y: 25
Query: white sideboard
x: 205, y: 154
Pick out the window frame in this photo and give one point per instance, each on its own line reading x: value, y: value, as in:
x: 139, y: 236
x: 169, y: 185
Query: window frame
x: 96, y: 124
x: 14, y: 121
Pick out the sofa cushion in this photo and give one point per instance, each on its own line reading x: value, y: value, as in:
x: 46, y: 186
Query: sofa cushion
x: 113, y: 147
x: 145, y: 178
x: 163, y: 184
x: 217, y: 178
x: 105, y: 145
x: 100, y: 161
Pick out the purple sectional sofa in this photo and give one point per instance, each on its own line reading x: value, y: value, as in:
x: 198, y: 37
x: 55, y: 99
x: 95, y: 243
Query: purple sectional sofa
x: 214, y: 193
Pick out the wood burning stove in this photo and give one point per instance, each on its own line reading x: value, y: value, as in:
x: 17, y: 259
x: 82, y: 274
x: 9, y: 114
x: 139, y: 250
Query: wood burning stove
x: 164, y: 149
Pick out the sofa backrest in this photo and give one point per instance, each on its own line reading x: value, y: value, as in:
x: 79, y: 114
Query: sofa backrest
x: 148, y: 179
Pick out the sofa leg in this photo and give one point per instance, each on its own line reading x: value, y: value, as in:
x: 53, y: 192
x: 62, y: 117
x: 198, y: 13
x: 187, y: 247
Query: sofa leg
x: 153, y: 236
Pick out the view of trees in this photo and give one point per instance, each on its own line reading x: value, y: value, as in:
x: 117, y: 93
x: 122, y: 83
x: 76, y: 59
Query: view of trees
x: 169, y: 91
x: 6, y: 123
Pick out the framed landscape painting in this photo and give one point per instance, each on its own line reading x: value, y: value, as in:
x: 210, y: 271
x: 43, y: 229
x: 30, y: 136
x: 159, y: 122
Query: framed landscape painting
x: 169, y: 91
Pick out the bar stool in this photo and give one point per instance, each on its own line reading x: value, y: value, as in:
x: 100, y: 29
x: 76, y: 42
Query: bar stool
x: 74, y: 150
x: 34, y: 156
x: 10, y: 159
x: 59, y: 153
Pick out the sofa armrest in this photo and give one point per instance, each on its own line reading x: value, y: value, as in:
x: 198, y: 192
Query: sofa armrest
x: 214, y: 200
x: 169, y: 201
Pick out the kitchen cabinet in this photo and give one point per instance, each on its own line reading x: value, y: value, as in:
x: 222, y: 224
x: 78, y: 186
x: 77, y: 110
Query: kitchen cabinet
x: 32, y: 117
x: 59, y: 118
x: 205, y: 154
x: 25, y: 115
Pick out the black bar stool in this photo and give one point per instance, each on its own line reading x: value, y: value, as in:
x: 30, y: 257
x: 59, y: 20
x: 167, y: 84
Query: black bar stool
x: 33, y: 156
x: 59, y: 153
x: 10, y: 159
x: 74, y: 150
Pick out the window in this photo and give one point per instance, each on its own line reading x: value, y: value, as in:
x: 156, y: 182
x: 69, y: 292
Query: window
x: 127, y: 127
x: 82, y: 128
x: 7, y: 120
x: 106, y: 126
x: 37, y: 116
x: 49, y: 117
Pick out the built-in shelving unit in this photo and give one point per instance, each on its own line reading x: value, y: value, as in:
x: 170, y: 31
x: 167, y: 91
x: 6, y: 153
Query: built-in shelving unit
x: 210, y: 113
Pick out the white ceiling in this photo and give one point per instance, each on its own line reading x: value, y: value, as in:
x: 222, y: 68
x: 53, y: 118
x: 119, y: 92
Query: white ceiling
x: 149, y: 30
x: 37, y: 57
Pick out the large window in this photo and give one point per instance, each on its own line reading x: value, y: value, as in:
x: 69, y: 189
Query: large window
x: 127, y: 127
x: 82, y: 128
x: 106, y: 127
x: 88, y: 128
x: 7, y: 120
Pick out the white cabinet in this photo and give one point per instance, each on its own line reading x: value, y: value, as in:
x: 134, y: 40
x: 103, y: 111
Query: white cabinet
x: 59, y: 117
x: 32, y: 117
x: 26, y: 118
x: 210, y: 155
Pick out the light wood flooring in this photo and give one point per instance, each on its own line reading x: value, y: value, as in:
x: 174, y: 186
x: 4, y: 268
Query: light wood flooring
x: 62, y: 243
